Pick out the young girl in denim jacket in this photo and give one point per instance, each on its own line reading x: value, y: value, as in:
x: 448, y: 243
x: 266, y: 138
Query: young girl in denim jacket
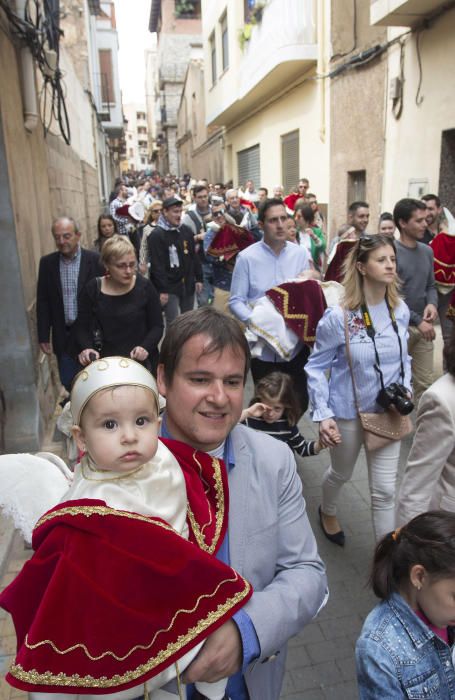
x: 406, y: 646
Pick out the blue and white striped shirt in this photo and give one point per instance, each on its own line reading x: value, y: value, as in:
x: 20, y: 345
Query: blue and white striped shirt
x: 334, y: 397
x: 69, y: 276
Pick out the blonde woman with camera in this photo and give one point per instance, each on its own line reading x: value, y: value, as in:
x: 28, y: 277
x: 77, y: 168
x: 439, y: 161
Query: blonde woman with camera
x: 368, y: 331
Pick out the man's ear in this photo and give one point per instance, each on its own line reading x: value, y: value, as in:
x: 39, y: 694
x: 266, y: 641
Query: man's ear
x: 161, y: 380
x: 78, y: 435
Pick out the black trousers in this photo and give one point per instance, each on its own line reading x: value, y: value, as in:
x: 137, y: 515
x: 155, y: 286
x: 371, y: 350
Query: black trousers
x: 295, y: 368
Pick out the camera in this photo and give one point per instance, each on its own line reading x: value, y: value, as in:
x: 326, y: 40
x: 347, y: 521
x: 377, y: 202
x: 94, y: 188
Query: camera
x: 396, y: 395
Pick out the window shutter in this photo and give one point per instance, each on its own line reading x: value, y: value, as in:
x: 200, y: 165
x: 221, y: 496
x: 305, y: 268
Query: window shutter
x: 290, y: 161
x: 249, y: 166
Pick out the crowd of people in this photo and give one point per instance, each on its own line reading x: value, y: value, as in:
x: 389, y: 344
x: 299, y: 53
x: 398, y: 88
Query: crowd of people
x: 196, y: 284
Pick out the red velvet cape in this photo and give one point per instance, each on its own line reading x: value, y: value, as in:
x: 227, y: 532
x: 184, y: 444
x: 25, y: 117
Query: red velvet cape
x: 229, y: 241
x: 301, y: 304
x: 111, y: 598
x: 334, y: 272
x: 443, y: 247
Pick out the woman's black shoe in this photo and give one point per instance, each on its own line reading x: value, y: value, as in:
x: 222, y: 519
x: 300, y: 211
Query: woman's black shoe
x: 337, y: 538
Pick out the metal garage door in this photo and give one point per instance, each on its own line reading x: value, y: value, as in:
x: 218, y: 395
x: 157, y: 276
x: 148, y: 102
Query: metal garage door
x: 249, y: 166
x: 290, y: 160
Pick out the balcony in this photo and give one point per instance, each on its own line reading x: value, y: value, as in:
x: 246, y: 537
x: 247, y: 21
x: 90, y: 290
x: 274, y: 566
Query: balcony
x: 282, y: 47
x: 402, y: 13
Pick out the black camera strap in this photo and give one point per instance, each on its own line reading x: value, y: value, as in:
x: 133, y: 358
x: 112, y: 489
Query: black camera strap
x: 371, y: 334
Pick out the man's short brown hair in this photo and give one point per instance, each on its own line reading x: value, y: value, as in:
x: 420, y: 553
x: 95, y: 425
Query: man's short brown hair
x: 223, y: 331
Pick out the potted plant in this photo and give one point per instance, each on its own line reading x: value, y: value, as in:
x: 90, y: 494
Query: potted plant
x: 254, y: 17
x: 184, y: 8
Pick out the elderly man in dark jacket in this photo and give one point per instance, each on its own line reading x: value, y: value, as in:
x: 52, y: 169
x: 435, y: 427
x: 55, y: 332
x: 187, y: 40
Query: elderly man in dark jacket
x: 61, y: 277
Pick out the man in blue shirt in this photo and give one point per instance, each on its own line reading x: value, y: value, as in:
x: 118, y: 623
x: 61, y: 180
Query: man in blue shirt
x: 203, y: 364
x: 260, y: 267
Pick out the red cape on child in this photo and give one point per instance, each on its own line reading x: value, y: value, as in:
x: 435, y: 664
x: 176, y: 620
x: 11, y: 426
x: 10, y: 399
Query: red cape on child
x: 110, y: 598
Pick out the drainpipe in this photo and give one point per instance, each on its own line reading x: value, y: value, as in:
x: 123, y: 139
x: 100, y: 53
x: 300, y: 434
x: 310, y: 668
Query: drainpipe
x: 28, y: 80
x: 322, y: 66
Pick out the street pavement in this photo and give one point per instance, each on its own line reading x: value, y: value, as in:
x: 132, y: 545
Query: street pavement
x: 320, y: 662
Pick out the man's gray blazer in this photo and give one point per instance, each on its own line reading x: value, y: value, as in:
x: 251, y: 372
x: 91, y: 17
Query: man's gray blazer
x: 272, y: 545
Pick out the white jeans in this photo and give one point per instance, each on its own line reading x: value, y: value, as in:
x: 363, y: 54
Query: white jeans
x: 382, y: 475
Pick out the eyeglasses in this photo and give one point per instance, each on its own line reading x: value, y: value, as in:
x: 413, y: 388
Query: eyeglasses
x: 125, y: 266
x: 221, y: 212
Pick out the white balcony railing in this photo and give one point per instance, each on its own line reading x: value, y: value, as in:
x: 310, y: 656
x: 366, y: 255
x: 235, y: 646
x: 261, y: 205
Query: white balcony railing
x: 287, y: 33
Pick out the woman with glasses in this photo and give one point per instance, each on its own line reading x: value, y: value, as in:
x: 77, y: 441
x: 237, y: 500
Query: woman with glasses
x: 375, y: 320
x: 120, y: 313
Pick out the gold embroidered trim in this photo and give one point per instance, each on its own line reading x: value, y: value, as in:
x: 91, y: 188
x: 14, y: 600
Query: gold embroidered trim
x: 273, y: 341
x: 443, y: 263
x: 144, y: 647
x: 198, y: 531
x: 285, y: 294
x: 88, y: 511
x: 75, y: 680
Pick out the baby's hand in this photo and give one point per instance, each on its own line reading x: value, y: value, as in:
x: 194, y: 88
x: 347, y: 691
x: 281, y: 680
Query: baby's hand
x: 336, y: 436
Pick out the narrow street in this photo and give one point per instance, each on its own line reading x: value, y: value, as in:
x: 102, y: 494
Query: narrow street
x: 320, y: 663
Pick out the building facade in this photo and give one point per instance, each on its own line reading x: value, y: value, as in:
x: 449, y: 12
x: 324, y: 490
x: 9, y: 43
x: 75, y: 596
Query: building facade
x: 136, y: 137
x: 261, y: 62
x: 177, y: 25
x: 419, y: 100
x: 200, y: 148
x: 49, y: 167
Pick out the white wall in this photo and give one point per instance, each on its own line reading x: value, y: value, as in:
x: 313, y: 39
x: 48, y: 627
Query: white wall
x: 413, y: 142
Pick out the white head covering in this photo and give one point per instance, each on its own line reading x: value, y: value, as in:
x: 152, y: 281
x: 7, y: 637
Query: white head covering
x: 105, y: 373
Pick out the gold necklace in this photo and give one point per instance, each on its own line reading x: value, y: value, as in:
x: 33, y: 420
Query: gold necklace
x: 86, y: 462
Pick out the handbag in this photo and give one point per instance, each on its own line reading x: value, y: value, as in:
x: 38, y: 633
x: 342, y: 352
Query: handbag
x: 379, y: 429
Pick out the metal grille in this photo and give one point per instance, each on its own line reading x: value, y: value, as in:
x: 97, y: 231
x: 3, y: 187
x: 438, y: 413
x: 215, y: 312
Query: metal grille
x: 249, y: 165
x: 290, y: 161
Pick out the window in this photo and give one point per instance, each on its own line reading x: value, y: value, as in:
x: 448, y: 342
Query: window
x: 357, y: 186
x: 249, y: 165
x: 107, y: 76
x: 224, y: 41
x: 212, y: 48
x: 187, y: 9
x: 290, y: 159
x: 140, y: 116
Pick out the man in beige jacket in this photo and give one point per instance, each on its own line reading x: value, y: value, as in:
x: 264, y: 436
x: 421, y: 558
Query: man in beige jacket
x: 429, y: 478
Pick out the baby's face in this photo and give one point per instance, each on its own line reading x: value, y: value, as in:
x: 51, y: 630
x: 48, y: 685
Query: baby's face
x: 119, y: 428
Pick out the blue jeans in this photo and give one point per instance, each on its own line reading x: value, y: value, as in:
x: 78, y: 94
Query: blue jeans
x: 67, y: 369
x: 206, y: 296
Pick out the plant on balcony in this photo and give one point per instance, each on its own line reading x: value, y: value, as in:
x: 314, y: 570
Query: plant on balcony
x: 184, y: 8
x: 254, y: 17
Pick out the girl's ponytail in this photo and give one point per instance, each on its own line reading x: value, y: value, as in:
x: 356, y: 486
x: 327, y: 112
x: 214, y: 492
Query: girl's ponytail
x: 428, y: 539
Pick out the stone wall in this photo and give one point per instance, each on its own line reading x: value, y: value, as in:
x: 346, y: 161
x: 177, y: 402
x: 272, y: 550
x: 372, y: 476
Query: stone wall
x: 73, y: 187
x: 41, y: 178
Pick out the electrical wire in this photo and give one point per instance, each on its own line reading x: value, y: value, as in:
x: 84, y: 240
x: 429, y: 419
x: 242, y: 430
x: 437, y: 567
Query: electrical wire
x: 419, y: 97
x: 39, y: 31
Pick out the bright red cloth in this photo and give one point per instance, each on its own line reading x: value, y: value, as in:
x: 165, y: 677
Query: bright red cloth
x: 229, y: 241
x: 443, y: 247
x: 291, y: 200
x: 111, y: 598
x: 301, y: 304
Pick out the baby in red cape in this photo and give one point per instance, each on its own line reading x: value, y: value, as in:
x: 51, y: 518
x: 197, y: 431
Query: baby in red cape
x: 123, y: 586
